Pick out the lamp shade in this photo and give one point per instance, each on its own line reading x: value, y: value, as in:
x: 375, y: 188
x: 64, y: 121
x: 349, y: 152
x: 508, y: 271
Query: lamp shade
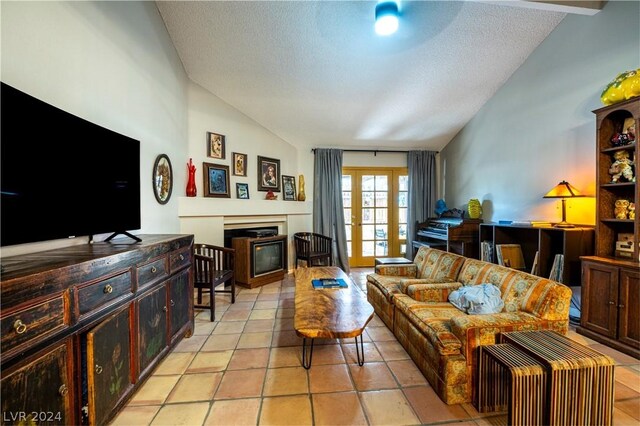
x: 386, y: 18
x: 563, y: 190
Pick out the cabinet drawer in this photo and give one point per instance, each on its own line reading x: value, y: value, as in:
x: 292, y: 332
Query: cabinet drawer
x: 152, y: 271
x: 179, y: 259
x: 34, y: 323
x: 101, y: 293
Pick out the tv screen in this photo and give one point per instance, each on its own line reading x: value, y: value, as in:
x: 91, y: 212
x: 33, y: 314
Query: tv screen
x: 63, y: 176
x: 267, y: 257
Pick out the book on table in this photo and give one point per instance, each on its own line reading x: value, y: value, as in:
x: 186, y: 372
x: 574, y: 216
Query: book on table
x: 329, y: 283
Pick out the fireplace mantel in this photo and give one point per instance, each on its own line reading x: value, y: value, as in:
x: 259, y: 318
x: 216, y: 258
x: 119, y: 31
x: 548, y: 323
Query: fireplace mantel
x: 207, y: 218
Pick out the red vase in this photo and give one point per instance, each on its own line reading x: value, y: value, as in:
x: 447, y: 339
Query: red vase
x: 191, y: 183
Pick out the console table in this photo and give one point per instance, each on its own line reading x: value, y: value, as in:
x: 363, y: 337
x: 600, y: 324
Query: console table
x: 83, y: 326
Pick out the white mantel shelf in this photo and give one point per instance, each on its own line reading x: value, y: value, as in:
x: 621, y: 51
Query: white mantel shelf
x: 204, y: 206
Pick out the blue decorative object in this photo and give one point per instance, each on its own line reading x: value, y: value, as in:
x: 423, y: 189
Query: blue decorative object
x: 441, y: 207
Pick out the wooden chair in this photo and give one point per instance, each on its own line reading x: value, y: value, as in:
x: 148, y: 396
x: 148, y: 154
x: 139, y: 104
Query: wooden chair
x: 311, y: 247
x: 213, y: 266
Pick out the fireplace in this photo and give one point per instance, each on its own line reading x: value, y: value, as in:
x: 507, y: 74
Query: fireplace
x: 261, y: 255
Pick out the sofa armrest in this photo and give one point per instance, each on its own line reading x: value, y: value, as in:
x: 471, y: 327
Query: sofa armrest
x: 408, y: 270
x: 477, y: 330
x: 424, y: 291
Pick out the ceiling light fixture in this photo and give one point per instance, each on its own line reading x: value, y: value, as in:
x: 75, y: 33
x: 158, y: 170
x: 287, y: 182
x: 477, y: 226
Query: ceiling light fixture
x: 386, y: 18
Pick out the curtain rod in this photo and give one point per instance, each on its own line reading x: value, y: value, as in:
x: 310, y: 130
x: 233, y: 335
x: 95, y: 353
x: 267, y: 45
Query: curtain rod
x: 375, y: 151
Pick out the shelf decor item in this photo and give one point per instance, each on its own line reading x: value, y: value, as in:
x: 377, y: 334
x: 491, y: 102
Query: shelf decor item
x: 474, y: 208
x: 563, y: 190
x: 162, y: 179
x: 301, y: 195
x: 216, y: 180
x: 622, y: 167
x: 625, y: 86
x: 192, y: 191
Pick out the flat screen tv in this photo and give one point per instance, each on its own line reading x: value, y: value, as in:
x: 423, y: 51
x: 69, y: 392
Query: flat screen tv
x: 63, y: 176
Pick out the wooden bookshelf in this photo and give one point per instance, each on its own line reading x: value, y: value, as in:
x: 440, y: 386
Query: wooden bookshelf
x: 547, y: 242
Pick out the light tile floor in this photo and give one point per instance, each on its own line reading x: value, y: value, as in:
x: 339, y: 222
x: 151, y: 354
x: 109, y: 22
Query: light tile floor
x: 244, y: 369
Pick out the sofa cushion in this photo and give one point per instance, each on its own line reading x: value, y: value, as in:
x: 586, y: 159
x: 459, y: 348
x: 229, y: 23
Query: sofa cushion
x: 438, y: 264
x: 404, y: 270
x: 520, y: 291
x: 430, y: 292
x: 388, y: 285
x: 433, y: 320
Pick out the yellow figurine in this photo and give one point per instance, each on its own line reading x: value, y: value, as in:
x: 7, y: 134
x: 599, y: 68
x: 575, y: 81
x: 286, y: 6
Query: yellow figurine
x: 632, y: 211
x: 625, y: 86
x: 620, y: 209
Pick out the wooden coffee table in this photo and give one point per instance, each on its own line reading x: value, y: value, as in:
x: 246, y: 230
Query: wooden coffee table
x: 333, y: 313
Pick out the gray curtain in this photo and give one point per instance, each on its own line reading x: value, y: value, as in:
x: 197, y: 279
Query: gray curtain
x: 422, y: 191
x: 328, y: 216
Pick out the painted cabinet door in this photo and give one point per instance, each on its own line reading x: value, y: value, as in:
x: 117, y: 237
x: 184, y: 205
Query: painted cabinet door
x: 179, y: 297
x: 152, y: 326
x: 629, y: 324
x: 109, y: 371
x: 600, y: 298
x: 40, y: 392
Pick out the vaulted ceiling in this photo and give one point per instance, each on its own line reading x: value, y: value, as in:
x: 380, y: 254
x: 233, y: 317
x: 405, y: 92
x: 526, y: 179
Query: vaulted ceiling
x: 316, y: 74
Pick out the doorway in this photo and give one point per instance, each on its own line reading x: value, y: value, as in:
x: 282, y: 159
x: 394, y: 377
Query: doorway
x: 375, y: 213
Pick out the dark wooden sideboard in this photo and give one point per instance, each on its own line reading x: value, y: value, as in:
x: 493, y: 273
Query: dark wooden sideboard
x: 83, y: 326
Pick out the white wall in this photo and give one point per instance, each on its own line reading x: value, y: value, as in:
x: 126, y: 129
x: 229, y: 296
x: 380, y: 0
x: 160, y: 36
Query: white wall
x: 539, y: 129
x: 113, y: 64
x: 206, y: 217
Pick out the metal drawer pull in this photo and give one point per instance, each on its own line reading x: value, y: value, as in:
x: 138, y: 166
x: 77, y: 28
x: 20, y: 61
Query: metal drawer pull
x: 164, y: 308
x: 108, y: 289
x: 153, y: 269
x: 181, y: 257
x: 98, y: 369
x: 19, y: 326
x: 62, y: 390
x: 173, y: 303
x: 612, y: 303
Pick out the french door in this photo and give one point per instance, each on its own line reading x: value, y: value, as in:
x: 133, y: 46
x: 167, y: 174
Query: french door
x: 375, y: 213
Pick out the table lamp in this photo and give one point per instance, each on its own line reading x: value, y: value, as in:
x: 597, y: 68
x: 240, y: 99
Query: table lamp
x: 563, y: 190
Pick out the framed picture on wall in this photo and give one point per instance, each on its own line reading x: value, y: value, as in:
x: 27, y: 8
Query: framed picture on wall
x: 239, y: 164
x: 215, y: 145
x: 242, y: 191
x: 162, y: 179
x: 216, y: 180
x: 268, y: 174
x: 288, y: 188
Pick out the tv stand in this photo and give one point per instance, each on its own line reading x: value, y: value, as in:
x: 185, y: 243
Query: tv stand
x: 126, y: 234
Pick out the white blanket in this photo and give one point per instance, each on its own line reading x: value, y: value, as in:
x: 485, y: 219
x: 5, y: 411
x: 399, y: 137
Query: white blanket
x: 477, y: 299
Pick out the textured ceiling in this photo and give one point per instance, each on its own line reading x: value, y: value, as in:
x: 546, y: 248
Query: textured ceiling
x: 316, y: 74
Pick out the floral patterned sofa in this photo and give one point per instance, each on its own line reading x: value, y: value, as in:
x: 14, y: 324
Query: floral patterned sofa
x: 412, y: 300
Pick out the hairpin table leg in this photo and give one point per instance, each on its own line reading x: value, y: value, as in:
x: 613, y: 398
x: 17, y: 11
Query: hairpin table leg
x: 360, y: 351
x: 307, y: 353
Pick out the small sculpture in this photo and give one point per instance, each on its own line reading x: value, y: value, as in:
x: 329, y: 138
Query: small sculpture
x: 628, y: 134
x: 441, y: 207
x: 270, y: 196
x: 474, y: 208
x: 620, y: 209
x: 626, y: 85
x: 191, y: 182
x: 632, y: 211
x: 621, y: 167
x: 301, y: 196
